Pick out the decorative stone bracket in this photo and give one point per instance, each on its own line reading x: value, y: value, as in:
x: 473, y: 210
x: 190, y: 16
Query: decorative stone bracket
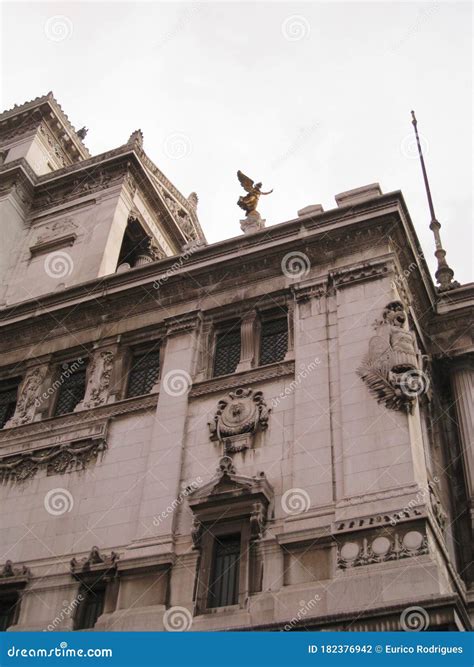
x: 98, y: 380
x: 238, y: 417
x: 10, y: 574
x: 392, y: 368
x: 95, y: 562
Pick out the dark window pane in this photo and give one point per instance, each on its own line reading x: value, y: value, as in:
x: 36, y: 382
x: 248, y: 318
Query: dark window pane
x: 8, y: 397
x: 91, y: 607
x: 224, y: 584
x: 8, y: 609
x: 72, y: 387
x: 143, y: 373
x: 227, y: 354
x: 273, y: 341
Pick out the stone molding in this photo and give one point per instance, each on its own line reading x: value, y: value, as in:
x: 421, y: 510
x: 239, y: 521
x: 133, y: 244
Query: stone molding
x: 385, y: 519
x: 11, y: 574
x: 57, y: 460
x: 362, y: 272
x: 94, y: 563
x: 380, y: 547
x: 256, y: 375
x: 183, y: 323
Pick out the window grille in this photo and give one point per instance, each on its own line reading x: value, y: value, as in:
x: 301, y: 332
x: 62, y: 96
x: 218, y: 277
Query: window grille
x: 224, y: 583
x: 8, y: 398
x: 72, y: 387
x: 227, y: 353
x: 273, y: 340
x: 144, y: 373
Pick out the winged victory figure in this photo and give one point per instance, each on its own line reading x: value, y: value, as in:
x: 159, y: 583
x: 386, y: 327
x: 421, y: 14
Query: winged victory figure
x: 249, y: 201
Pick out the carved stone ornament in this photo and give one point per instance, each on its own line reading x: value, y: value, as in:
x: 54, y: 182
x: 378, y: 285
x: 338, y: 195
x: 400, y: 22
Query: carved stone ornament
x: 9, y: 571
x: 100, y: 372
x: 57, y: 460
x: 233, y: 496
x: 391, y: 369
x: 94, y: 561
x: 380, y: 547
x: 238, y: 417
x: 28, y: 398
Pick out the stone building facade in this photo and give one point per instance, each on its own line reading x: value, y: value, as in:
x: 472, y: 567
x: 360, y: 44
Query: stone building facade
x: 269, y: 432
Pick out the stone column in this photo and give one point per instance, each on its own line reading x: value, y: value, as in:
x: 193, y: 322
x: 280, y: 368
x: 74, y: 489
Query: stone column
x: 462, y: 383
x: 247, y: 338
x: 161, y: 484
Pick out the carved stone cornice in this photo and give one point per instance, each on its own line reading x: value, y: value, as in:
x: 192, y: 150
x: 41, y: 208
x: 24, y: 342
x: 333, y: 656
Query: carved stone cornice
x: 254, y: 376
x: 95, y: 563
x: 14, y: 575
x: 87, y: 423
x: 362, y: 272
x: 57, y: 460
x: 303, y: 293
x: 379, y: 520
x: 183, y: 324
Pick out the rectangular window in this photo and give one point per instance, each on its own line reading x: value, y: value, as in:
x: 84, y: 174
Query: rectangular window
x: 71, y: 386
x: 273, y: 340
x: 144, y: 372
x: 91, y: 607
x: 224, y: 581
x: 8, y: 610
x: 8, y: 398
x: 227, y: 352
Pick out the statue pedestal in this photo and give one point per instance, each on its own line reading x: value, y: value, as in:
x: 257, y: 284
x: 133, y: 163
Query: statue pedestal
x: 252, y: 223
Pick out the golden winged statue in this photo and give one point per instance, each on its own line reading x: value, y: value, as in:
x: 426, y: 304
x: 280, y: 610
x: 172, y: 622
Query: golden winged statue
x: 249, y: 202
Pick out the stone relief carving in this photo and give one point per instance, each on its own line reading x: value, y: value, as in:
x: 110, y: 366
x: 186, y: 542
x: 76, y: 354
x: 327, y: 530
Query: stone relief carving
x: 381, y: 547
x: 56, y: 460
x: 28, y: 398
x: 238, y: 417
x: 391, y: 369
x: 436, y: 506
x: 9, y: 570
x: 95, y: 558
x: 100, y: 373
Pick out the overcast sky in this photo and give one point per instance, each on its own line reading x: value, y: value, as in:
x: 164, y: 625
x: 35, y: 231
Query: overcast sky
x: 311, y: 98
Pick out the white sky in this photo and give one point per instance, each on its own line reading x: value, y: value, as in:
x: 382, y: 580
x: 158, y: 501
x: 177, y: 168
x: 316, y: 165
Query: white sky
x: 311, y: 98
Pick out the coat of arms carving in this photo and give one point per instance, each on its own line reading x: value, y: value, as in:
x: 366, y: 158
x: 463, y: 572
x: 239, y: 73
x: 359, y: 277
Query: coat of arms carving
x: 238, y: 418
x: 392, y: 368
